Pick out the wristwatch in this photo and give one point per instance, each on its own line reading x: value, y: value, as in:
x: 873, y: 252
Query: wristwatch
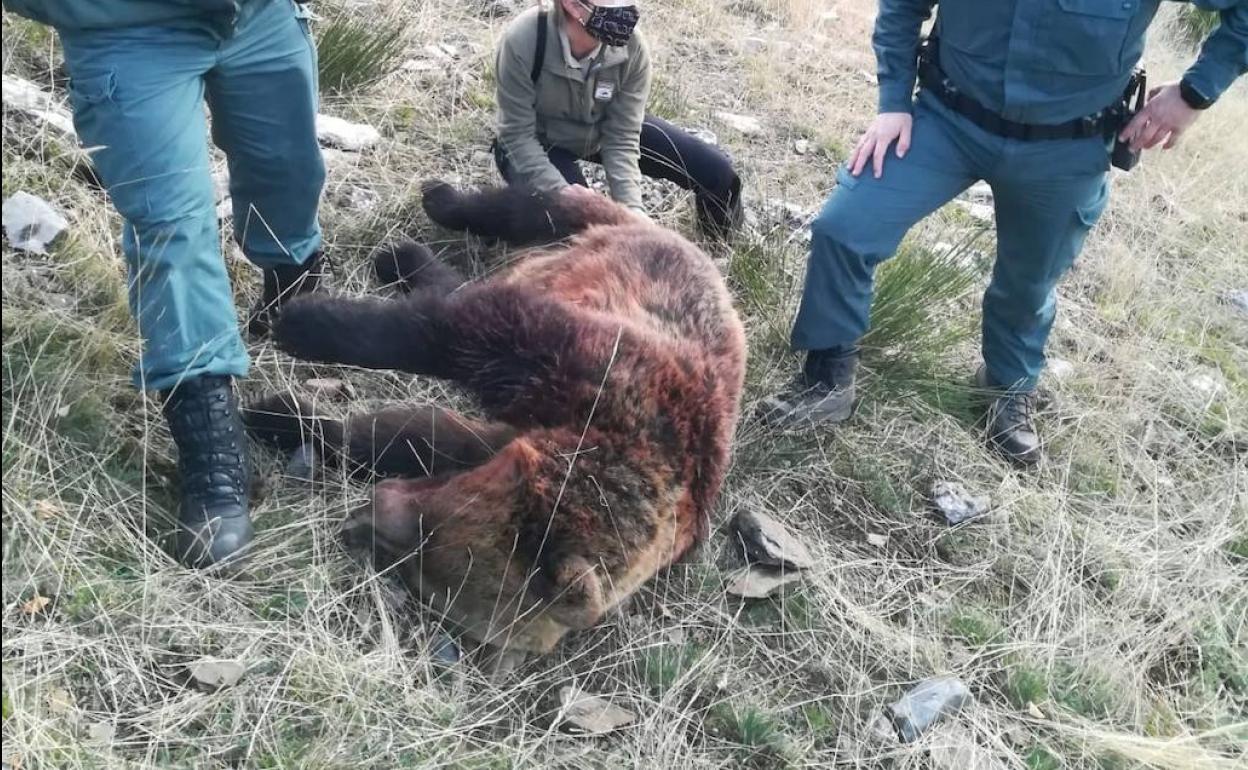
x: 1193, y: 98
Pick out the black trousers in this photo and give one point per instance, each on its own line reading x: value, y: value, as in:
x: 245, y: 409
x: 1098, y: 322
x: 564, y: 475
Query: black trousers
x: 667, y: 152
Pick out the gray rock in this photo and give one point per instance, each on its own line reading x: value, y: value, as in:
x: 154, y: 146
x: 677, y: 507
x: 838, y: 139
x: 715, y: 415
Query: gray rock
x: 1237, y: 299
x: 704, y: 135
x: 591, y: 714
x: 345, y: 135
x: 1060, y: 369
x: 756, y: 582
x: 212, y: 675
x: 957, y: 505
x: 767, y: 542
x: 29, y: 99
x: 802, y: 147
x: 747, y: 125
x: 30, y: 222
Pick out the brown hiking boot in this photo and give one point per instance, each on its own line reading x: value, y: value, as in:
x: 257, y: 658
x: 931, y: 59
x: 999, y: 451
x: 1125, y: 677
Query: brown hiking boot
x: 824, y: 394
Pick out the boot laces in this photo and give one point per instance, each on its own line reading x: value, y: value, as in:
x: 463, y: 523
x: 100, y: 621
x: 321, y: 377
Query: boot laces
x: 1017, y: 409
x: 210, y: 446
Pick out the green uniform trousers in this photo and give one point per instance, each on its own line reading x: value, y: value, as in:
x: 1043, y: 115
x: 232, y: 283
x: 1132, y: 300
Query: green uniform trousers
x: 1048, y: 195
x: 138, y: 96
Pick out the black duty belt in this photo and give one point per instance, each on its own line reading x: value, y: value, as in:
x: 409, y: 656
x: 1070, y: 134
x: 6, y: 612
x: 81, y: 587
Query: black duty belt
x: 1103, y: 123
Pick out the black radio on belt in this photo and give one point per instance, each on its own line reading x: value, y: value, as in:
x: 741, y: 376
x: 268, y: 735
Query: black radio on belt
x: 1123, y: 156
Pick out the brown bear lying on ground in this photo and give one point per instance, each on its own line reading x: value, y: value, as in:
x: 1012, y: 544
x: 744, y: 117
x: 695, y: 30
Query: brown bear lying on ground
x: 610, y: 367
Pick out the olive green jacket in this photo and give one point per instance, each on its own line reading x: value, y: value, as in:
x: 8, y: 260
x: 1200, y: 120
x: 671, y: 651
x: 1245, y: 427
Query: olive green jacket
x: 593, y: 111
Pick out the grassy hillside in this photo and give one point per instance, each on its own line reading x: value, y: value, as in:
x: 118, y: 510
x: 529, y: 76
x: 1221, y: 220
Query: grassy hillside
x: 1099, y: 614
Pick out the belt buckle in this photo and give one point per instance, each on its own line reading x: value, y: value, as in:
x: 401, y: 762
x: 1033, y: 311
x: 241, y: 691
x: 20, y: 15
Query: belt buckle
x: 1089, y: 123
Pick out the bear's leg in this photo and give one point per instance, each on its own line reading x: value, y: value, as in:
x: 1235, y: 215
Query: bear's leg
x: 521, y: 215
x: 409, y: 266
x: 401, y: 441
x: 501, y: 341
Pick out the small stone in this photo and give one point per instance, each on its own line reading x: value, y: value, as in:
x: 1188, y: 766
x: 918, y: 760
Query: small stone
x: 362, y: 199
x: 955, y: 503
x: 46, y: 510
x: 345, y: 135
x: 1060, y: 369
x: 212, y: 675
x: 1034, y: 711
x: 35, y: 605
x: 802, y: 147
x: 759, y: 582
x: 981, y: 212
x: 1237, y: 299
x: 482, y: 158
x: 60, y: 701
x: 30, y: 222
x: 1207, y: 384
x: 980, y: 192
x: 27, y: 98
x: 767, y: 542
x: 420, y: 65
x: 703, y: 135
x: 742, y: 124
x: 882, y: 731
x: 591, y: 714
x: 100, y: 733
x: 877, y: 540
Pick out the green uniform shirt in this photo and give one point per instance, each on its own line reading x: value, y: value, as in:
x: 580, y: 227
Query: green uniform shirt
x: 220, y: 17
x: 1044, y: 61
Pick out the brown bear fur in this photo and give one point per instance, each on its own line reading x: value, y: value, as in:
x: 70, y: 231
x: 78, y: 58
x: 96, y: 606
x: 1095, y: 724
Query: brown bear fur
x: 610, y: 367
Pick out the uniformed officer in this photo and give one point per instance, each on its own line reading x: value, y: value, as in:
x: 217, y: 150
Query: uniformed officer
x: 1021, y: 94
x: 140, y: 71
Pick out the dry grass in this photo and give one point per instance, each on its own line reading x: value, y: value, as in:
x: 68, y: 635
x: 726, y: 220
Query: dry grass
x: 1099, y: 615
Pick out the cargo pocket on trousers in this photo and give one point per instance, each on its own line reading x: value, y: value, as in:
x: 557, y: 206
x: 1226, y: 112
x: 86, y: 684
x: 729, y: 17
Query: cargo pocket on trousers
x: 1090, y: 212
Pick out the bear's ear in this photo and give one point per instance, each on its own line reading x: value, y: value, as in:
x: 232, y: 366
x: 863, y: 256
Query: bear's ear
x: 576, y: 599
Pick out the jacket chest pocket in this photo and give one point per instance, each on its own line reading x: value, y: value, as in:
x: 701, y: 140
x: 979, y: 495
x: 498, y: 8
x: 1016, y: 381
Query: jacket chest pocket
x: 1083, y: 37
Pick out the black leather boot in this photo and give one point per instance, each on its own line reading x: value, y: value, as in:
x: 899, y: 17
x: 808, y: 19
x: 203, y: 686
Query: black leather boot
x: 280, y: 285
x: 213, y: 519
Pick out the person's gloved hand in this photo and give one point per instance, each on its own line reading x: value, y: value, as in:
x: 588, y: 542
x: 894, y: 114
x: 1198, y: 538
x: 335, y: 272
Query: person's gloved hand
x: 888, y: 127
x: 1165, y: 117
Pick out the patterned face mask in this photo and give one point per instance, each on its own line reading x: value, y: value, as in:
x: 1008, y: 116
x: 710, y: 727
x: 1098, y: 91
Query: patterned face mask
x: 613, y: 26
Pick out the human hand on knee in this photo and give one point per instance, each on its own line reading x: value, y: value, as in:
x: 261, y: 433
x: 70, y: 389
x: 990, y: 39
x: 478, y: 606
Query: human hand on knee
x: 888, y: 127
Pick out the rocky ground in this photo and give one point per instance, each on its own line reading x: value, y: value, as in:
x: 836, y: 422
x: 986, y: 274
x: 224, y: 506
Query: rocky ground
x: 1092, y: 613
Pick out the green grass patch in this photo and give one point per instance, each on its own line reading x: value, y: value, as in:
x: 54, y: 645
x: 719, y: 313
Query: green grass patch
x: 976, y: 628
x: 748, y: 726
x: 663, y: 668
x: 354, y: 52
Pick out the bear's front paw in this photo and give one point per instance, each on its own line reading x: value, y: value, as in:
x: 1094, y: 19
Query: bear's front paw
x: 306, y: 329
x: 278, y: 419
x: 442, y: 203
x: 402, y: 264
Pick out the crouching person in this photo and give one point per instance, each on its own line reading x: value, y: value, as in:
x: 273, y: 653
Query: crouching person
x: 140, y: 73
x: 573, y: 81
